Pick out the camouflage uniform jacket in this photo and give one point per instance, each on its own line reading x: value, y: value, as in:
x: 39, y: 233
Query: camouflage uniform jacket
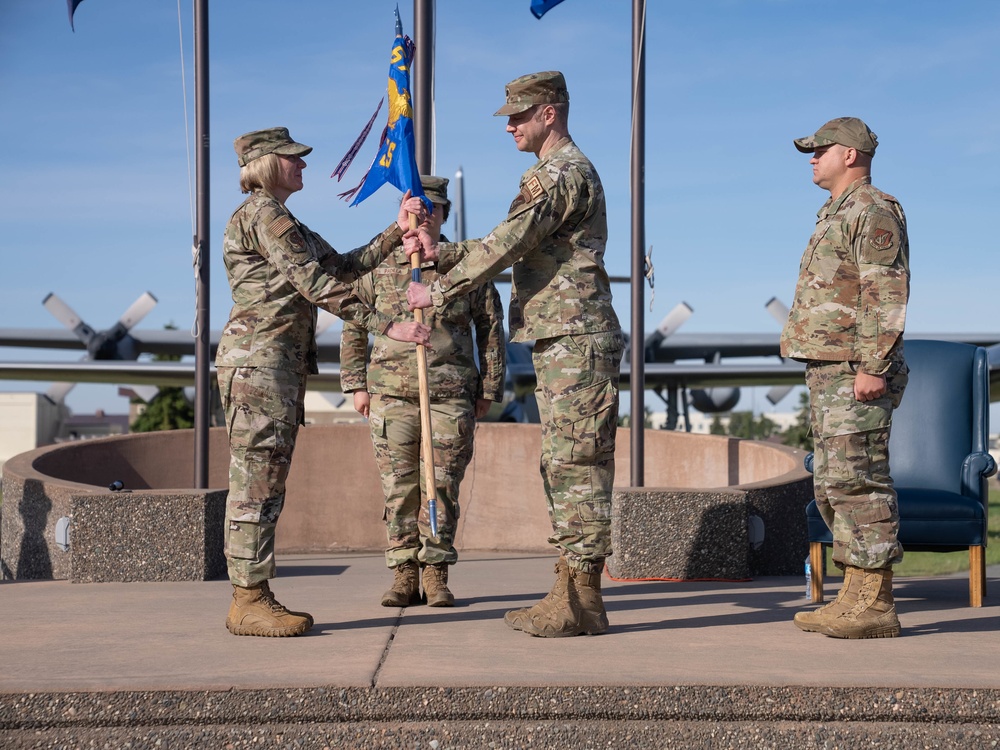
x: 279, y: 272
x: 854, y: 282
x: 554, y: 235
x: 451, y: 366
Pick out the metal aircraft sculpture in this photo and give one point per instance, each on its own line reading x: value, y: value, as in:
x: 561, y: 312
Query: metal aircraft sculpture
x: 685, y: 370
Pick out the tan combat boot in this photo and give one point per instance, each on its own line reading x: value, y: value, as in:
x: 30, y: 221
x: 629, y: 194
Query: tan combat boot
x: 436, y: 590
x: 815, y: 620
x: 874, y: 613
x: 592, y: 618
x: 558, y: 589
x: 255, y: 611
x: 405, y: 589
x: 573, y: 607
x: 553, y: 616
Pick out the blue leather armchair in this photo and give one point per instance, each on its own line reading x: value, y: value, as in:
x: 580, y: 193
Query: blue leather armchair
x: 938, y: 458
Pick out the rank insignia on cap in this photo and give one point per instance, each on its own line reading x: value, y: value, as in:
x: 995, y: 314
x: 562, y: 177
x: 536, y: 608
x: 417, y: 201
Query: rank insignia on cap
x: 881, y: 239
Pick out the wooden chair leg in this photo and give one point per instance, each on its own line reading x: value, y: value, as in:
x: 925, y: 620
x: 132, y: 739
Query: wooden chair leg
x: 977, y: 576
x: 816, y: 557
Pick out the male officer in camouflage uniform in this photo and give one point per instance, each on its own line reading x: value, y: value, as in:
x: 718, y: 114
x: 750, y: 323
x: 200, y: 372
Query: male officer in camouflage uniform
x: 847, y: 324
x: 387, y: 393
x: 279, y: 272
x: 555, y: 235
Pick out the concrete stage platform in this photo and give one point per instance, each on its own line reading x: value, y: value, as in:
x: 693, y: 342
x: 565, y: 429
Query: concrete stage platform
x: 693, y: 664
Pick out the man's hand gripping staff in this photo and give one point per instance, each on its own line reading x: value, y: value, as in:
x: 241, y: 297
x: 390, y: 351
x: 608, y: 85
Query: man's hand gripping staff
x: 411, y: 211
x: 419, y: 245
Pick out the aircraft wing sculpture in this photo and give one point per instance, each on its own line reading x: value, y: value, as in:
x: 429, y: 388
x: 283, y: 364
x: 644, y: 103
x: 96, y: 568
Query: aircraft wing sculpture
x: 114, y: 343
x: 676, y: 362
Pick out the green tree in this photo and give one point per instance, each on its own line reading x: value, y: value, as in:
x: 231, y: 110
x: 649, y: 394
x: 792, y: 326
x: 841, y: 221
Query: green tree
x: 744, y: 424
x: 169, y: 409
x: 799, y: 435
x: 717, y: 428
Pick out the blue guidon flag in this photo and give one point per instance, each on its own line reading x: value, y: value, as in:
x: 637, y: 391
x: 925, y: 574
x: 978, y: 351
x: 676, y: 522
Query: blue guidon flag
x: 395, y: 162
x: 540, y: 7
x: 71, y: 5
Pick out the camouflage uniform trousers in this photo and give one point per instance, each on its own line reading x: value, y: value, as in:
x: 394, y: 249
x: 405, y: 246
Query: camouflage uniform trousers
x: 395, y: 430
x: 264, y: 408
x: 854, y: 491
x: 577, y: 398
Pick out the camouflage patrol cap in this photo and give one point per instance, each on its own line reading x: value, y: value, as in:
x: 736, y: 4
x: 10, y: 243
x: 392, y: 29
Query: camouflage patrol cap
x: 847, y: 131
x: 250, y: 146
x: 436, y: 189
x: 535, y: 88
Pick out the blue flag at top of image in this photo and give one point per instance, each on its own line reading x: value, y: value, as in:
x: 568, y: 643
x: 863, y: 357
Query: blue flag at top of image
x: 395, y: 162
x: 71, y: 6
x: 541, y: 7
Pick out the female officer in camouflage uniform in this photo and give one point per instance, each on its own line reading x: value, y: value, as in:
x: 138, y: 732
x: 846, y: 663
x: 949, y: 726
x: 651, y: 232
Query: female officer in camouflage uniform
x: 386, y: 392
x: 279, y: 272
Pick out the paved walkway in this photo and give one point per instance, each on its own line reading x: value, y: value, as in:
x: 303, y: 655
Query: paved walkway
x: 62, y: 637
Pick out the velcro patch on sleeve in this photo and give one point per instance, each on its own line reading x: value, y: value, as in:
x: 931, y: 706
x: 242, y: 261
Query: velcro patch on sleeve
x: 280, y: 226
x: 534, y: 188
x: 882, y: 239
x: 530, y: 191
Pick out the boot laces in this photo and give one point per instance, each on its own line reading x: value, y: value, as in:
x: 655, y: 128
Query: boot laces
x: 867, y: 596
x: 404, y: 577
x: 436, y: 574
x: 268, y: 598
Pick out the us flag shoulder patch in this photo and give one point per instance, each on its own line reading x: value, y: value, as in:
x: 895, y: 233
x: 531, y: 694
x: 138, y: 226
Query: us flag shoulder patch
x: 280, y: 226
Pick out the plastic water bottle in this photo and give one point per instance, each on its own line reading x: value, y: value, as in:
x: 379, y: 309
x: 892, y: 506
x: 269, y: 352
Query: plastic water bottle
x: 808, y: 578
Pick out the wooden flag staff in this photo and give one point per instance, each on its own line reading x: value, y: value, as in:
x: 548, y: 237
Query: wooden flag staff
x: 426, y: 437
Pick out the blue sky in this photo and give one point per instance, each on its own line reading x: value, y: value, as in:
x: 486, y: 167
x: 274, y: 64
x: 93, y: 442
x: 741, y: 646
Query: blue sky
x: 95, y: 201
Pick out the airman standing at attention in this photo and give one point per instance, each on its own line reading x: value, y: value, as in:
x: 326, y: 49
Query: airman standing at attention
x: 555, y: 236
x: 279, y: 273
x: 847, y: 324
x: 386, y: 392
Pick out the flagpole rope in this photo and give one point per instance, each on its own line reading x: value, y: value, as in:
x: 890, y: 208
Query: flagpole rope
x: 195, y: 252
x: 187, y: 125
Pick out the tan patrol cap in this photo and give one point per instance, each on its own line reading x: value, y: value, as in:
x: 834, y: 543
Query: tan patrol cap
x: 847, y: 131
x: 258, y: 143
x: 535, y: 88
x: 436, y: 189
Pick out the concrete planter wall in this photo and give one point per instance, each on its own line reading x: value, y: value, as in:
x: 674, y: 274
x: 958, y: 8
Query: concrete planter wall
x: 161, y: 529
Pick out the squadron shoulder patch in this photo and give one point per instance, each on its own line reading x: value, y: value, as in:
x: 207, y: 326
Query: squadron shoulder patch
x: 280, y: 226
x: 883, y: 235
x: 531, y: 190
x: 881, y: 239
